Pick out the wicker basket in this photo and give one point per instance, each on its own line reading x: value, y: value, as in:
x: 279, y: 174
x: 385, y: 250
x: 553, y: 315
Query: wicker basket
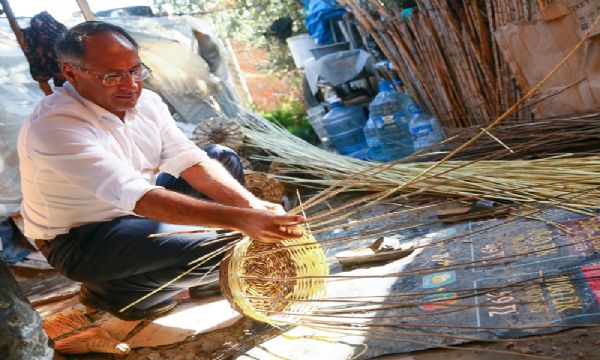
x: 218, y: 130
x: 265, y: 187
x: 281, y: 279
x: 247, y: 165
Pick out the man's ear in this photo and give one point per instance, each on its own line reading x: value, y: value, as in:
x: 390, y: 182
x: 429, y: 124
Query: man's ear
x: 69, y: 73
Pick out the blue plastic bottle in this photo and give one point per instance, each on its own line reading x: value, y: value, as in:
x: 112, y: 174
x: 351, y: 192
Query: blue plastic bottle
x: 388, y: 116
x: 425, y: 130
x: 344, y: 124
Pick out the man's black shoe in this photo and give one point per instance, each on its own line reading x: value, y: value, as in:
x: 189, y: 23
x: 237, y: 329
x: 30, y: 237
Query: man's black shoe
x: 89, y: 299
x: 205, y: 290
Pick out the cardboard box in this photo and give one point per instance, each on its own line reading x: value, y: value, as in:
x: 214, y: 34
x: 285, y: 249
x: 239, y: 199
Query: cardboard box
x: 533, y: 49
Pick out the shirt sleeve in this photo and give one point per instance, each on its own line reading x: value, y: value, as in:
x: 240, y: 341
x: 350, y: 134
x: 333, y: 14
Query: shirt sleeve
x: 70, y: 149
x: 178, y: 152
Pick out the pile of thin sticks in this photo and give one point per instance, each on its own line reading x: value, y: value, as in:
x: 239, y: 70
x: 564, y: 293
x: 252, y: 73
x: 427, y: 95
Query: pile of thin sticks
x: 578, y: 135
x: 447, y: 56
x: 570, y: 182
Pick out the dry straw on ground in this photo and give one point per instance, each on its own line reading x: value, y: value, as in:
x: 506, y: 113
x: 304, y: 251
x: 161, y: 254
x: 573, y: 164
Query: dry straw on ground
x: 74, y: 333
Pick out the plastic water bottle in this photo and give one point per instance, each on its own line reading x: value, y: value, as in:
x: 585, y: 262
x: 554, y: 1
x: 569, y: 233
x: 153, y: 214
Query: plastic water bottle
x: 425, y: 130
x: 344, y: 124
x: 315, y: 118
x: 388, y: 113
x: 375, y: 151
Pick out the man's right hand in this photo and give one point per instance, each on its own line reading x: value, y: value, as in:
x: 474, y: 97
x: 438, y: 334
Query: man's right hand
x: 265, y: 226
x: 262, y: 224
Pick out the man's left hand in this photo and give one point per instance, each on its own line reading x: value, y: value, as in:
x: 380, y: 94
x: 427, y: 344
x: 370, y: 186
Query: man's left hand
x: 266, y: 205
x: 277, y: 209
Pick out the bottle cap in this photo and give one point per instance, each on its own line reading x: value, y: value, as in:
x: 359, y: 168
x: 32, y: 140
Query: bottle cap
x: 332, y: 98
x: 385, y: 85
x: 397, y: 82
x: 414, y: 109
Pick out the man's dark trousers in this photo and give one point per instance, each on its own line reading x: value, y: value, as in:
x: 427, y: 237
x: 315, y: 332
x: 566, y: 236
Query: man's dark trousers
x: 119, y: 263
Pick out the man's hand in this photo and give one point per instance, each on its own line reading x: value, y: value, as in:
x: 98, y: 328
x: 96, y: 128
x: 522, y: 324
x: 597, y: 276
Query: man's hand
x: 266, y: 205
x: 266, y: 226
x: 268, y: 223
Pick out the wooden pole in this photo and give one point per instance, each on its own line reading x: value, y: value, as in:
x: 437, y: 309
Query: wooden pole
x: 88, y: 15
x: 14, y: 25
x: 240, y: 84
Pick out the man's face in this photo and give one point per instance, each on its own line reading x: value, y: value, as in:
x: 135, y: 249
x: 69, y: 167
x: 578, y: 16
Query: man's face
x: 107, y: 54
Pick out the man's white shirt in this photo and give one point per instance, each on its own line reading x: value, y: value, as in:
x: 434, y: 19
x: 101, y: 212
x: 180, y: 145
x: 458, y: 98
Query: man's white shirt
x: 80, y: 164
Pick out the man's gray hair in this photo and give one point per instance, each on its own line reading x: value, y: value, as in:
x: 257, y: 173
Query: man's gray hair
x: 70, y: 46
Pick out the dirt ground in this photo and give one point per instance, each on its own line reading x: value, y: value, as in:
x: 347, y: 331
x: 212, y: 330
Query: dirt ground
x: 575, y: 344
x: 244, y: 334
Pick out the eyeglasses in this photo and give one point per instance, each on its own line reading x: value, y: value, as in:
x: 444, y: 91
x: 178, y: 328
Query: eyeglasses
x: 140, y: 73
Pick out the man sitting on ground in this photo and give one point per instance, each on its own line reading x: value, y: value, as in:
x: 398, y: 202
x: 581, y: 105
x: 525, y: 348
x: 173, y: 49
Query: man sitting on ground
x: 90, y: 194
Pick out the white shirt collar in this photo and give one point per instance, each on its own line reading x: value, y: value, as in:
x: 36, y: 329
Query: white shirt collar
x: 98, y: 111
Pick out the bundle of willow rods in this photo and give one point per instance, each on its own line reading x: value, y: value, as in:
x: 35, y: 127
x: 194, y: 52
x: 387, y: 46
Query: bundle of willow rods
x: 447, y: 56
x: 522, y: 181
x: 577, y: 134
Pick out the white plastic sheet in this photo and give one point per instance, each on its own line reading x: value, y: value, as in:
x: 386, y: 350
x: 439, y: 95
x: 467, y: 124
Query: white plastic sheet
x: 18, y: 95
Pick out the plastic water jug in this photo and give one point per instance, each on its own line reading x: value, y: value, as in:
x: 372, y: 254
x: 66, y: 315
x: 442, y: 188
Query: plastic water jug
x: 344, y: 124
x: 425, y: 130
x: 388, y: 117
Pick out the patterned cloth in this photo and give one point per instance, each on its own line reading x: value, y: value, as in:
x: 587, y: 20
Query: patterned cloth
x: 40, y: 36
